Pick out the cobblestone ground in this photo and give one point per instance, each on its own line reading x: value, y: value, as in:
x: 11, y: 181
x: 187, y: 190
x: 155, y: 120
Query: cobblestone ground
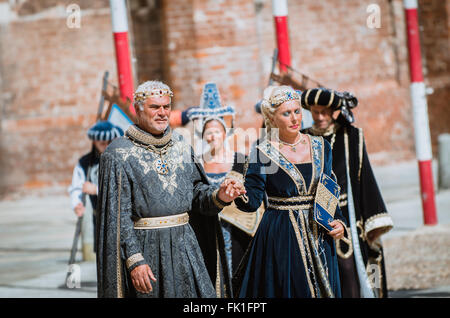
x: 419, y: 259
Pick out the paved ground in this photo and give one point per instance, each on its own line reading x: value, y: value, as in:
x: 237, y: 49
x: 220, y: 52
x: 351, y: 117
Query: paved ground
x: 36, y: 236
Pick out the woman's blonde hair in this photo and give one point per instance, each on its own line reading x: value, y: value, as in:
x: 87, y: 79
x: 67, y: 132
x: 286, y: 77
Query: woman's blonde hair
x: 274, y: 96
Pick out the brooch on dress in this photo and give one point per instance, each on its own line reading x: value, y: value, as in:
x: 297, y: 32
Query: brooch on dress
x: 161, y: 166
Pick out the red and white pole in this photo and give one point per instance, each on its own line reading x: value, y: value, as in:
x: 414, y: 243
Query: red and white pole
x: 120, y: 29
x: 280, y: 12
x: 420, y: 113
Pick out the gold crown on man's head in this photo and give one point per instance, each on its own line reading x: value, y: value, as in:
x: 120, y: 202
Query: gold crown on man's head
x: 158, y: 92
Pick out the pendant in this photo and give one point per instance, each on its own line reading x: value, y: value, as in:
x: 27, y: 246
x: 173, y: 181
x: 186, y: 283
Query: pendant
x: 161, y: 166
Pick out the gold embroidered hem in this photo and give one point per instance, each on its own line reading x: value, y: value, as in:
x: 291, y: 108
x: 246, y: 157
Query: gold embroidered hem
x: 302, y: 252
x: 133, y: 259
x: 161, y: 221
x: 119, y: 286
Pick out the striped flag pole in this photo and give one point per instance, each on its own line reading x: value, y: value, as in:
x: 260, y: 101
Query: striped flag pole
x: 420, y: 113
x: 280, y: 12
x: 120, y: 30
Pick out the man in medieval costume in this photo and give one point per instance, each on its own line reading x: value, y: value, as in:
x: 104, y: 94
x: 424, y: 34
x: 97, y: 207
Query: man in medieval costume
x: 361, y: 260
x: 158, y: 229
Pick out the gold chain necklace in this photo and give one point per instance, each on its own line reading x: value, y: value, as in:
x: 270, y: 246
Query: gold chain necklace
x: 161, y: 165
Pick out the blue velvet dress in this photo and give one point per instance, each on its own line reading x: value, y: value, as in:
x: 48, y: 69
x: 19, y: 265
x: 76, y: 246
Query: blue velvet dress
x: 290, y: 254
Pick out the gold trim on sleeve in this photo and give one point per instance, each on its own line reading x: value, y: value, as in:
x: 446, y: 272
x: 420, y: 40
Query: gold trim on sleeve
x: 216, y: 202
x: 133, y: 259
x: 218, y: 289
x: 378, y: 221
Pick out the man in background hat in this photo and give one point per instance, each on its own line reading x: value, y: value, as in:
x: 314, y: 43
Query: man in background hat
x: 85, y: 173
x: 361, y: 260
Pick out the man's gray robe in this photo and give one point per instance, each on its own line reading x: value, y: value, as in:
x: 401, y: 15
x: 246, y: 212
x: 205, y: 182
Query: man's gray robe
x: 130, y: 188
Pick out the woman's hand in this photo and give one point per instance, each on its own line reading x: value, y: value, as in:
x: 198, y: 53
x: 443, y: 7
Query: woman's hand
x: 338, y: 230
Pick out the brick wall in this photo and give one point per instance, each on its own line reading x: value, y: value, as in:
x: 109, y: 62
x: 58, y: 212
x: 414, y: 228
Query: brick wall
x: 50, y: 75
x: 51, y: 82
x: 213, y: 41
x: 435, y: 39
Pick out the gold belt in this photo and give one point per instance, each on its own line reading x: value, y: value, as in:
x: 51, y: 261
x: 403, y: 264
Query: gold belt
x: 291, y: 207
x: 292, y: 203
x: 161, y: 221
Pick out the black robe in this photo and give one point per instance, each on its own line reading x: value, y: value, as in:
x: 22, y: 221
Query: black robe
x: 370, y: 210
x: 184, y: 258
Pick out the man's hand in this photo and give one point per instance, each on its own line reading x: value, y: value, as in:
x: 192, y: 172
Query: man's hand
x: 89, y: 188
x: 338, y: 230
x: 230, y: 189
x: 79, y: 209
x: 140, y: 276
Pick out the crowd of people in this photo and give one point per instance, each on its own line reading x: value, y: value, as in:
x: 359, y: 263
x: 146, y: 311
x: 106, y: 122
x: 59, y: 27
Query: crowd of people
x: 298, y: 215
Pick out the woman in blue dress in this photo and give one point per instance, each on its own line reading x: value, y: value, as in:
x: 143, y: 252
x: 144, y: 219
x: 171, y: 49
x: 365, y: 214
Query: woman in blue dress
x: 291, y: 255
